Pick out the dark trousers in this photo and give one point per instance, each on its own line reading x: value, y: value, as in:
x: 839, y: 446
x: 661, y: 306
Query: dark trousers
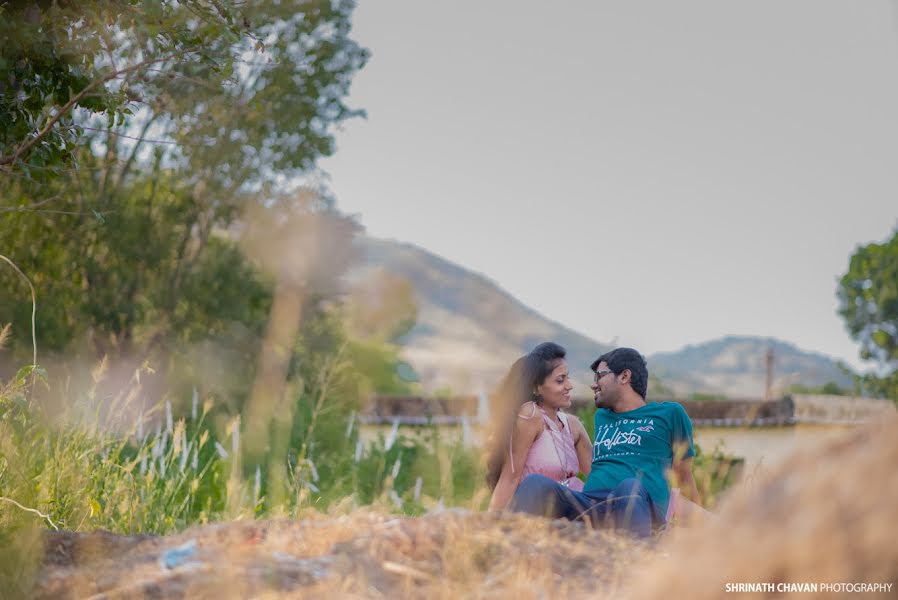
x: 626, y: 507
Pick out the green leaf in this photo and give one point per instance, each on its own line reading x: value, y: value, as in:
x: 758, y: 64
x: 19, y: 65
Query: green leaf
x: 23, y: 373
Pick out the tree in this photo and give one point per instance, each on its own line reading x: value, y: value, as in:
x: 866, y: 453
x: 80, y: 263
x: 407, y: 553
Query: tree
x: 150, y: 154
x: 134, y: 138
x: 259, y: 83
x: 868, y: 301
x: 134, y: 134
x: 63, y: 62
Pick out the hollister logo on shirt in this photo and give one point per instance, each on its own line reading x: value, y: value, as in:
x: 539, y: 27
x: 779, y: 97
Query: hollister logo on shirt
x: 622, y: 433
x: 618, y: 437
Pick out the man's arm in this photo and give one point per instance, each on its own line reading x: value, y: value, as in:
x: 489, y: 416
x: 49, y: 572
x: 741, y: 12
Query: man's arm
x: 688, y: 509
x: 682, y: 478
x: 681, y: 462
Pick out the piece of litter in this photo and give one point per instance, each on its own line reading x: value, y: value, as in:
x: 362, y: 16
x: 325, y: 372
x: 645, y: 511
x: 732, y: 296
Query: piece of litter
x: 179, y: 556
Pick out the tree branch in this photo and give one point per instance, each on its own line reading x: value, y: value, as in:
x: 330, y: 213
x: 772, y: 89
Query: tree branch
x: 127, y: 167
x: 30, y: 207
x: 28, y: 144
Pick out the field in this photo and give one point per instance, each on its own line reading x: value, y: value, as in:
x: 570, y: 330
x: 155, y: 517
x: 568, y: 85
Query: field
x: 169, y: 510
x: 795, y: 523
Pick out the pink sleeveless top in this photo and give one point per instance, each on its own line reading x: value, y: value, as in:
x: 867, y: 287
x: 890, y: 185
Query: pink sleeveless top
x: 553, y: 453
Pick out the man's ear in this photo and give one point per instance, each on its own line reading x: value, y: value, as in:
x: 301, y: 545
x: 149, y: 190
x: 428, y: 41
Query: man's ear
x: 625, y: 376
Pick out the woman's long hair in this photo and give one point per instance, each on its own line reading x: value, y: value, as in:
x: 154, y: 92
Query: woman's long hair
x: 517, y: 387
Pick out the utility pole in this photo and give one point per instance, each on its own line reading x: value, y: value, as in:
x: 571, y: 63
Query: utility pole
x: 768, y: 390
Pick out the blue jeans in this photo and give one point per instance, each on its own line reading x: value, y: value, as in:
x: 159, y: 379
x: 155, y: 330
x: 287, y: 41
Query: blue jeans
x: 626, y: 507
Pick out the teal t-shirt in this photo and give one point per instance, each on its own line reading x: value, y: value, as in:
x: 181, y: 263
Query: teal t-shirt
x: 639, y: 443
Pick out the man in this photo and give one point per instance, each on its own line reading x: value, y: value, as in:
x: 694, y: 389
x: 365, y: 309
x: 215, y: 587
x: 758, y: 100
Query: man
x: 638, y: 448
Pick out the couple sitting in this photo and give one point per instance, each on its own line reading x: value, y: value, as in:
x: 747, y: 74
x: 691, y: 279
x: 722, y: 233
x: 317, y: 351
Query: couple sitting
x: 536, y: 450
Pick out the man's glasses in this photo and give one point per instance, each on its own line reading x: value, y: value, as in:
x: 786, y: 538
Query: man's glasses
x: 600, y: 374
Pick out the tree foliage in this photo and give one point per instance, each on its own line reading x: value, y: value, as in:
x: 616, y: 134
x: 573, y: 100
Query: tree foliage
x: 134, y: 134
x: 139, y: 140
x: 868, y: 301
x: 253, y: 87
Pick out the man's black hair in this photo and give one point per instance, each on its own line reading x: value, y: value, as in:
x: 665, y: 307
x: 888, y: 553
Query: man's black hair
x: 620, y: 359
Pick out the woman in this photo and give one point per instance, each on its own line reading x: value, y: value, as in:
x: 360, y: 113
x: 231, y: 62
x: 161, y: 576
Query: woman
x: 530, y: 433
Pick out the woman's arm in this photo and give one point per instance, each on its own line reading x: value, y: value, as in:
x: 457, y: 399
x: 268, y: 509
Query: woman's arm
x: 525, y: 433
x: 582, y: 444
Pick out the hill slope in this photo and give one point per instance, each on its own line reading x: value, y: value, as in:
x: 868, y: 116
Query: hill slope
x: 468, y: 330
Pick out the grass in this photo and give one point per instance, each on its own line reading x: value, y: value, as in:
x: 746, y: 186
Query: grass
x: 82, y: 469
x: 99, y: 462
x: 823, y: 516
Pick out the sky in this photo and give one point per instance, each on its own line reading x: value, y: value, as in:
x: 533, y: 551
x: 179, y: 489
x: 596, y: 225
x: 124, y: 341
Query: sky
x: 648, y: 173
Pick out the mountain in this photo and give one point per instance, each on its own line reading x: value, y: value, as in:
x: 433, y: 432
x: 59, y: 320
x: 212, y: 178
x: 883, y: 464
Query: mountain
x: 735, y: 366
x: 469, y: 331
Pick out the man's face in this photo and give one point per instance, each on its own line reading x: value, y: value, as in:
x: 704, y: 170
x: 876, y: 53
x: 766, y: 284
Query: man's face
x: 605, y: 387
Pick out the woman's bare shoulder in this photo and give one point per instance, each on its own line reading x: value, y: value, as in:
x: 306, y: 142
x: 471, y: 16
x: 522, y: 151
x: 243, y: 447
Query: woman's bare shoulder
x: 528, y: 410
x: 527, y: 421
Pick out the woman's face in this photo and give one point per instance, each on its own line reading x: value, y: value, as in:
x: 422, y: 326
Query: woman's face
x: 556, y: 388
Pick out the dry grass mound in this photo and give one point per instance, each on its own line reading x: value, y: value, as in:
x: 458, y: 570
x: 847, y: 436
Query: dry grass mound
x: 823, y: 516
x: 446, y: 555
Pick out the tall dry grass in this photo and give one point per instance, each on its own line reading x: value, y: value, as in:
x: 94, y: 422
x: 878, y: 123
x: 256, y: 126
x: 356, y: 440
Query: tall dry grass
x: 824, y: 515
